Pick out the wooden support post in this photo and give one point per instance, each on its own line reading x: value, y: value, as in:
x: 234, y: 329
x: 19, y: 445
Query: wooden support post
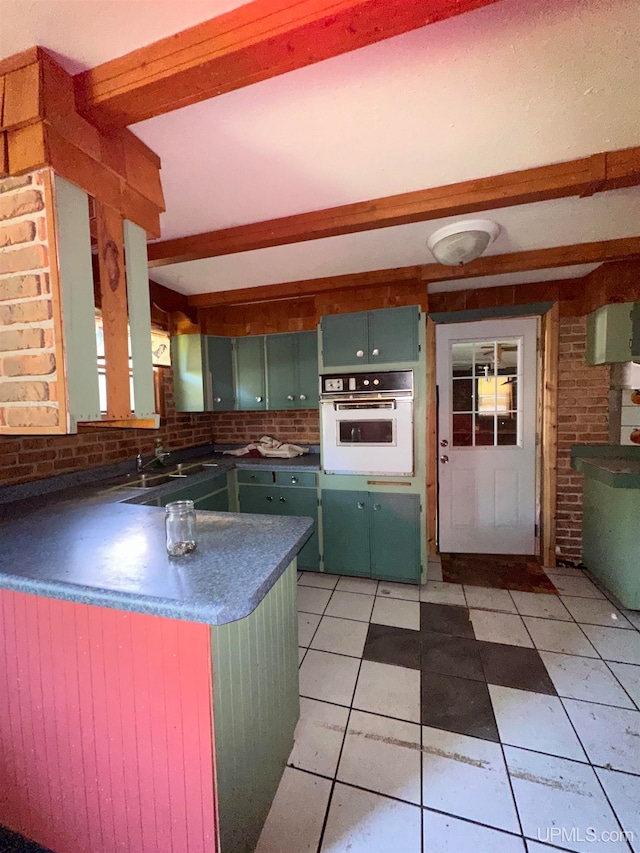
x: 550, y: 335
x: 113, y: 290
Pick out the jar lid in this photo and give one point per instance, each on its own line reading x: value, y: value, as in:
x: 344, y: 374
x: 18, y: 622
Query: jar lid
x: 179, y: 506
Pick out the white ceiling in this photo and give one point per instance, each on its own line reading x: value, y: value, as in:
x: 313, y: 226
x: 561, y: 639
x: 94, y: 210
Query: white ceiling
x: 517, y: 84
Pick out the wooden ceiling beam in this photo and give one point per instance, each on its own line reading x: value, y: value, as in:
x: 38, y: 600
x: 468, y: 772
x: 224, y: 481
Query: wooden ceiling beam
x: 254, y: 42
x: 607, y: 170
x: 627, y: 248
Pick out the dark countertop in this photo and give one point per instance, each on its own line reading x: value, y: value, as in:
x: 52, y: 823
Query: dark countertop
x: 616, y: 466
x: 86, y: 544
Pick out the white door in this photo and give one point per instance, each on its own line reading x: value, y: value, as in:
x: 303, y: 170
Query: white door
x: 486, y: 375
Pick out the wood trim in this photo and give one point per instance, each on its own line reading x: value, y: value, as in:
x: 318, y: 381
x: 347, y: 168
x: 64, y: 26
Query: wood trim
x: 604, y: 171
x: 254, y: 42
x: 113, y: 291
x: 550, y: 332
x: 129, y: 423
x: 4, y: 155
x: 19, y: 60
x: 305, y: 288
x: 432, y: 441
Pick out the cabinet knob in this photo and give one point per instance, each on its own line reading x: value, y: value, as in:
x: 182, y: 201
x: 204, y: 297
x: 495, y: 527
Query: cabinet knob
x: 217, y: 399
x: 303, y: 396
x: 444, y: 443
x: 360, y: 504
x: 269, y: 498
x: 283, y: 500
x: 290, y: 397
x: 258, y: 399
x: 254, y: 477
x: 376, y: 507
x: 294, y: 480
x: 444, y: 459
x: 375, y: 351
x: 360, y: 354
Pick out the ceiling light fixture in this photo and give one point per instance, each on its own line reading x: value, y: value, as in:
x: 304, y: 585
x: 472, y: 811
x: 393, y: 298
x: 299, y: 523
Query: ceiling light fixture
x: 457, y: 244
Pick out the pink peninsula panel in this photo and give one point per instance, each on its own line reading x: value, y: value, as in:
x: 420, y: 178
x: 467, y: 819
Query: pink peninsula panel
x: 106, y: 740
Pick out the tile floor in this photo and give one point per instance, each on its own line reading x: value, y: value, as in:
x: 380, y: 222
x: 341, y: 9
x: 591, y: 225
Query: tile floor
x: 462, y: 719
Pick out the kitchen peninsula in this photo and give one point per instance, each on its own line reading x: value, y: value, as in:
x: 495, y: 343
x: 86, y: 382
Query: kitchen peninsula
x: 142, y: 692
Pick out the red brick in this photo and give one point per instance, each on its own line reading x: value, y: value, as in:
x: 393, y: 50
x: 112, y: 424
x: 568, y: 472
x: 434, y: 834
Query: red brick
x: 19, y: 204
x: 31, y: 416
x: 21, y: 260
x: 25, y: 312
x: 18, y: 232
x: 15, y: 183
x: 19, y: 287
x: 23, y: 392
x: 42, y: 364
x: 20, y: 339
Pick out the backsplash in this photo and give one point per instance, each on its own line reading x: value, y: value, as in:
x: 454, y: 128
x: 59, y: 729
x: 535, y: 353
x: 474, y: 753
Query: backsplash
x: 298, y: 427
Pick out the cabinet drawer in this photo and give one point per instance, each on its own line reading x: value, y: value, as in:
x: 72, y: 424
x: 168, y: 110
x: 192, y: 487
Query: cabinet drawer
x: 296, y: 478
x: 264, y: 478
x: 195, y: 491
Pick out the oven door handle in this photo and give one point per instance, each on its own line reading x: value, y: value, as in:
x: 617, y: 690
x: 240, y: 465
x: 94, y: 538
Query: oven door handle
x: 354, y: 405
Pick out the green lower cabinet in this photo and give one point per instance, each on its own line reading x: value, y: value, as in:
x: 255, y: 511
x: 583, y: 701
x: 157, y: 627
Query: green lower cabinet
x: 345, y: 531
x: 372, y: 534
x: 219, y: 502
x: 297, y: 501
x: 259, y: 500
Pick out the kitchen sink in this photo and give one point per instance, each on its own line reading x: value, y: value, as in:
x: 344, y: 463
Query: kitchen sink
x: 186, y: 470
x: 139, y: 481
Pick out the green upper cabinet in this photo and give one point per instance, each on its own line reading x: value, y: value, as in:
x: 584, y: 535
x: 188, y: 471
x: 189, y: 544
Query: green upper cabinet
x: 218, y: 365
x: 610, y: 334
x: 635, y: 332
x: 188, y: 375
x: 292, y: 370
x: 371, y: 337
x: 250, y: 376
x: 395, y: 536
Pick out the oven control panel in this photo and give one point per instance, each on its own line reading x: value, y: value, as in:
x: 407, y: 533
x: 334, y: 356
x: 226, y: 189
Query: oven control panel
x: 388, y: 383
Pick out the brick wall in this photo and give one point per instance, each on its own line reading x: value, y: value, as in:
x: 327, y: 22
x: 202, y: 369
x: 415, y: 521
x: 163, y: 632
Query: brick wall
x: 583, y: 418
x: 298, y: 427
x: 28, y: 386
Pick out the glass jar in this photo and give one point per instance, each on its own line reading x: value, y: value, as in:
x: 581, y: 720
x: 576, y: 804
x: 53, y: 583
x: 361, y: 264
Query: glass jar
x: 180, y: 524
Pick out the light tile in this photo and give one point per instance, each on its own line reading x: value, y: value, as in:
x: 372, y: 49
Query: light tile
x: 534, y: 721
x: 390, y: 690
x: 584, y: 678
x: 322, y: 580
x: 434, y: 570
x: 554, y: 636
x: 620, y: 646
x: 444, y: 834
x: 487, y: 598
x: 406, y: 591
x: 555, y: 794
x: 539, y: 604
x: 629, y: 676
x: 453, y: 764
x: 327, y: 677
x: 350, y: 605
x: 610, y: 736
x: 500, y: 628
x: 382, y: 755
x: 624, y: 795
x: 342, y: 636
x: 362, y: 822
x: 400, y: 614
x: 301, y: 654
x: 318, y: 737
x: 567, y: 571
x: 595, y: 611
x: 634, y: 617
x: 579, y: 586
x: 311, y: 599
x: 307, y: 624
x: 297, y: 814
x: 442, y: 593
x: 365, y: 586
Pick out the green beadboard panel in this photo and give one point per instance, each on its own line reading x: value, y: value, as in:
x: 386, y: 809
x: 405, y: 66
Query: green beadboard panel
x: 135, y: 250
x: 256, y: 708
x: 78, y: 301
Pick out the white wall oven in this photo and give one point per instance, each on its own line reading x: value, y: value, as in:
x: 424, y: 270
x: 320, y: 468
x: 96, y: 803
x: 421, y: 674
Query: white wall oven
x: 367, y: 423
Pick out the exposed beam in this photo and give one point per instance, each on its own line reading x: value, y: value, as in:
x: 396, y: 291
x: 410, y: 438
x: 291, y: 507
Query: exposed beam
x: 254, y: 42
x: 535, y: 259
x: 604, y: 171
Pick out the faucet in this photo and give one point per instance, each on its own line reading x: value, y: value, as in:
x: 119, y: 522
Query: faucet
x: 159, y: 455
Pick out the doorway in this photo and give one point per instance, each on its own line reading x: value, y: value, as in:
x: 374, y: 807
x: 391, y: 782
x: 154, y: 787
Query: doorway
x: 487, y: 412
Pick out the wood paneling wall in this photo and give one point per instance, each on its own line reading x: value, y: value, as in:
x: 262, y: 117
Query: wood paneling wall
x: 105, y: 728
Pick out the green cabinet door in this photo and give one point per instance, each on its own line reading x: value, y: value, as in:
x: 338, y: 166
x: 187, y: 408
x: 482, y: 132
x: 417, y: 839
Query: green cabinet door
x: 393, y: 335
x: 188, y: 380
x: 220, y: 391
x: 260, y: 500
x: 395, y: 537
x: 343, y: 337
x: 635, y: 331
x: 307, y: 363
x: 281, y: 371
x: 219, y: 502
x: 250, y: 380
x: 297, y: 501
x: 345, y: 532
x: 609, y: 334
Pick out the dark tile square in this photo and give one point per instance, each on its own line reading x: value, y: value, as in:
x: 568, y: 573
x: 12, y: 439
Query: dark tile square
x: 397, y: 646
x: 458, y: 705
x: 451, y: 656
x: 446, y: 619
x: 515, y: 666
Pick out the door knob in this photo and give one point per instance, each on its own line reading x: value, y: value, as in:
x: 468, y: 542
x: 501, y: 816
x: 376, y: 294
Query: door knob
x: 360, y: 353
x: 360, y: 504
x: 376, y: 351
x: 303, y: 396
x: 444, y: 443
x: 290, y: 397
x: 444, y: 459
